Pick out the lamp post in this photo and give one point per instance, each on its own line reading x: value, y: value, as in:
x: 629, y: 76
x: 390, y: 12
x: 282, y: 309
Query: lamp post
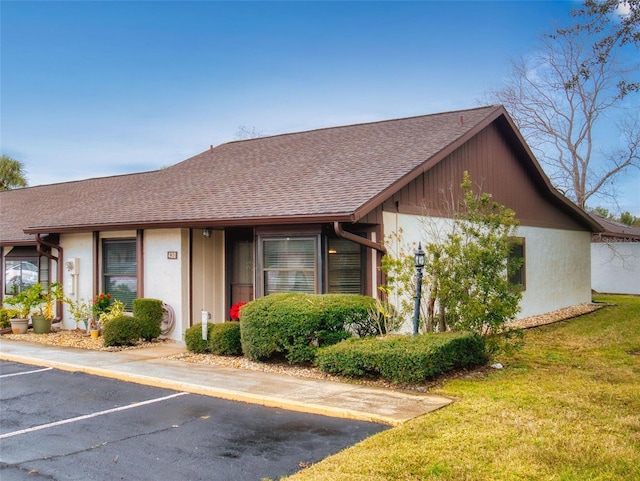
x: 419, y: 259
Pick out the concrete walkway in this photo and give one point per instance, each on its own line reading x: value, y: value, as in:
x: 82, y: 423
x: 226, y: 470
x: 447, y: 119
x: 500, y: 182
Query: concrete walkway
x: 149, y: 366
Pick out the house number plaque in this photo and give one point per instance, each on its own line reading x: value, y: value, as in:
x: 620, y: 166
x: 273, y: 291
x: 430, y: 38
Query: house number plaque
x: 172, y: 254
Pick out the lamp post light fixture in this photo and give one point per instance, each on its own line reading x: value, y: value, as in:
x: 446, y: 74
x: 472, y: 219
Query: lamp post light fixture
x: 419, y: 261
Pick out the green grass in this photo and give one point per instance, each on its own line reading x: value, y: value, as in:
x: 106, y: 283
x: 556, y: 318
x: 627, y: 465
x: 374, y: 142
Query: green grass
x: 566, y: 407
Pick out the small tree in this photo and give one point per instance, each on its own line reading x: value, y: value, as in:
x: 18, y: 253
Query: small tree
x: 12, y: 174
x: 470, y: 268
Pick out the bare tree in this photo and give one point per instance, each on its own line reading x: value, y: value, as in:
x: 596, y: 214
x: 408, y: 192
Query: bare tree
x: 572, y: 112
x: 244, y: 133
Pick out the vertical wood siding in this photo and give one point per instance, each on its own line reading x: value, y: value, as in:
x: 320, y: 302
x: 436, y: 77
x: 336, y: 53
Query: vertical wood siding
x: 495, y: 168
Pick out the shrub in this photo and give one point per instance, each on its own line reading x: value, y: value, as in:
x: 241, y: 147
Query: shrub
x: 224, y: 339
x: 121, y: 331
x: 193, y: 338
x: 5, y: 317
x: 403, y: 359
x: 149, y: 314
x: 294, y: 325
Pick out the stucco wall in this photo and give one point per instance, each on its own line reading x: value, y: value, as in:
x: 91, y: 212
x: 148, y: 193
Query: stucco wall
x: 80, y: 285
x: 615, y: 267
x: 164, y: 278
x: 166, y: 269
x: 557, y: 262
x: 558, y: 269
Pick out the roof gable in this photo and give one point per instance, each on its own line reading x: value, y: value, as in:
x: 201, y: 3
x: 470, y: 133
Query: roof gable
x: 338, y: 173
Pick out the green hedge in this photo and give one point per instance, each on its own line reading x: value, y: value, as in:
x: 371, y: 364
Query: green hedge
x: 122, y: 331
x: 193, y: 338
x: 222, y: 339
x: 149, y: 314
x: 403, y: 359
x: 294, y: 325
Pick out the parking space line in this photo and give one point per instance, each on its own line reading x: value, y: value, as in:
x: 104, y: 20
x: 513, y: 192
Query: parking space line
x: 92, y: 415
x: 26, y: 372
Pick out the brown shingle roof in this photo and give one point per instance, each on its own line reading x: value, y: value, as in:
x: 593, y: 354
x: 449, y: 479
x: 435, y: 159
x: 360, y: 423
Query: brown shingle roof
x: 615, y: 229
x: 325, y: 174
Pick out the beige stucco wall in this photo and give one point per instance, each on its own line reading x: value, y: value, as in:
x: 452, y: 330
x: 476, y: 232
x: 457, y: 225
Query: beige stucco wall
x: 615, y: 267
x: 167, y: 278
x: 558, y: 269
x: 164, y: 278
x: 557, y: 262
x: 80, y: 285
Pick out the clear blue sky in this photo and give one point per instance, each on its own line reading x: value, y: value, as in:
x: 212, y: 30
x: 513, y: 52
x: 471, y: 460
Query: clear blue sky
x: 101, y: 88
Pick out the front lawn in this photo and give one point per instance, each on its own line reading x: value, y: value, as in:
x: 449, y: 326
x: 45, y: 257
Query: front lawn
x: 566, y: 407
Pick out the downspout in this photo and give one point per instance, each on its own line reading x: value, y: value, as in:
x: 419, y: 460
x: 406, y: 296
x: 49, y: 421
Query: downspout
x: 357, y: 239
x: 41, y: 242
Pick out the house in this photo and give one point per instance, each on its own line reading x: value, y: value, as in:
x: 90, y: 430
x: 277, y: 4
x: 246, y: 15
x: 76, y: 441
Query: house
x: 306, y: 211
x: 615, y: 258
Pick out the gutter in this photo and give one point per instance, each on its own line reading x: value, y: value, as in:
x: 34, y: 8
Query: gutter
x: 357, y: 239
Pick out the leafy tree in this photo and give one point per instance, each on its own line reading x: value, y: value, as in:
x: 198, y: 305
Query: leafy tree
x: 629, y: 219
x: 565, y: 98
x: 625, y: 218
x: 613, y: 24
x: 12, y: 173
x: 470, y: 268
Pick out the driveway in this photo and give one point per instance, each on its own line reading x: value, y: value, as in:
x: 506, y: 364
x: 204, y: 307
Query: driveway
x: 59, y: 425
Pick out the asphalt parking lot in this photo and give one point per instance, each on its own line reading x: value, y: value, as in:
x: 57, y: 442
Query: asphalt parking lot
x: 59, y: 425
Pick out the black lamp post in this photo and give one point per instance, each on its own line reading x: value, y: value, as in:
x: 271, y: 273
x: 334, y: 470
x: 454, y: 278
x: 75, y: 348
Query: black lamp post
x: 419, y: 259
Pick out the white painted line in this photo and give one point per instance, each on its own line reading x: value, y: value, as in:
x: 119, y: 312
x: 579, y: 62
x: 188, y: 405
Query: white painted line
x: 26, y: 372
x: 89, y: 416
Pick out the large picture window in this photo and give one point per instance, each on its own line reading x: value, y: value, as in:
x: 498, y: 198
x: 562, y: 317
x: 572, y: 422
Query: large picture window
x: 289, y: 265
x: 120, y: 270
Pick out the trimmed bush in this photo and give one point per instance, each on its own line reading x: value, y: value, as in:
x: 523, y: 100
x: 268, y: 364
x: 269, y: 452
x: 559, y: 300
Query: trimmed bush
x: 193, y: 338
x: 294, y: 325
x: 403, y: 359
x: 121, y: 331
x: 149, y: 314
x: 224, y: 339
x: 5, y: 318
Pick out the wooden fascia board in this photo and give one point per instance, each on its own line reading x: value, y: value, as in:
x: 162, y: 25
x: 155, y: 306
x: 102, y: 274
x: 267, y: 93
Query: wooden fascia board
x: 533, y: 167
x: 427, y: 165
x: 544, y: 182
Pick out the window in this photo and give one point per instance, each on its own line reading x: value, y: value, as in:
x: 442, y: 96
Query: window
x: 24, y: 267
x: 120, y: 270
x: 516, y: 263
x: 344, y: 267
x: 289, y: 265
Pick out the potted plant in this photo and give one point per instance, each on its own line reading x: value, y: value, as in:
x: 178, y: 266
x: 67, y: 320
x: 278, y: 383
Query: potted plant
x: 80, y: 310
x: 23, y: 303
x: 46, y: 308
x: 104, y: 309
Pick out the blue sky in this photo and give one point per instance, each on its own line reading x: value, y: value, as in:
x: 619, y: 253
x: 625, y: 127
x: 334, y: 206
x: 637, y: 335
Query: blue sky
x: 101, y: 88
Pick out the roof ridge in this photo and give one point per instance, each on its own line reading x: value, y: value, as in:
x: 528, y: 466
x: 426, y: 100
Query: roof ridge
x: 126, y: 174
x: 359, y: 124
